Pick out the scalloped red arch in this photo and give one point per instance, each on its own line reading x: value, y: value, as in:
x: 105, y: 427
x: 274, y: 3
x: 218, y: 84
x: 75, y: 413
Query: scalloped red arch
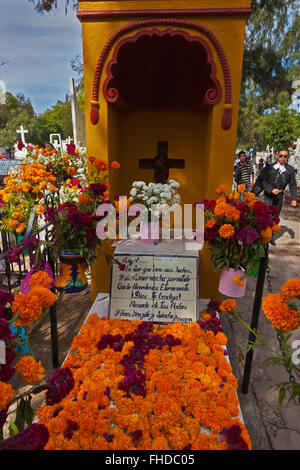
x: 227, y: 114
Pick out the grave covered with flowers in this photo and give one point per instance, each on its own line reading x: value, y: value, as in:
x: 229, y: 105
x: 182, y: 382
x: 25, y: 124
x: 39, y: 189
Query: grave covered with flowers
x: 139, y: 385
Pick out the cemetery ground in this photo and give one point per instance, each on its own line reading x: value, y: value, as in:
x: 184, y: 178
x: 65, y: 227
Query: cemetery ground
x: 270, y: 427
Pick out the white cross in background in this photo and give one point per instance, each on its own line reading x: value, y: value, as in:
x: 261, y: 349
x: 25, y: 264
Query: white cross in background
x: 22, y: 131
x: 69, y: 140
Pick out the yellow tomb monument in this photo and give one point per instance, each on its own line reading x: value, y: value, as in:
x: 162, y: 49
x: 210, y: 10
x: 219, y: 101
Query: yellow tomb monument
x: 163, y: 71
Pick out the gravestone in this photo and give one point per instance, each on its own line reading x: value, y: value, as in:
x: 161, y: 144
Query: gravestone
x: 5, y: 166
x: 159, y: 282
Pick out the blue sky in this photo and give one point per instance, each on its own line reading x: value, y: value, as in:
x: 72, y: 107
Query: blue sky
x: 40, y: 49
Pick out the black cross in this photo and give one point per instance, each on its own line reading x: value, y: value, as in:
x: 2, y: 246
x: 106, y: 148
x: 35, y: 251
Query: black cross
x: 161, y: 163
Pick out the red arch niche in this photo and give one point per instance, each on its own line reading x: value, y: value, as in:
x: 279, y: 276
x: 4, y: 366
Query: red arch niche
x: 162, y: 70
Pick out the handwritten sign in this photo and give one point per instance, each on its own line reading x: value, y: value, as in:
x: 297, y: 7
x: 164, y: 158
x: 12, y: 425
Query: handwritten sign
x: 6, y: 165
x: 161, y: 289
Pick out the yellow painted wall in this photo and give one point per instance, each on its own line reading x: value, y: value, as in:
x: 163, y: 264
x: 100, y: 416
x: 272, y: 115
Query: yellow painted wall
x: 209, y: 151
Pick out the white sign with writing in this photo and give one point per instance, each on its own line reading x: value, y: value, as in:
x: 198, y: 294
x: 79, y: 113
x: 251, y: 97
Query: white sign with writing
x: 154, y: 288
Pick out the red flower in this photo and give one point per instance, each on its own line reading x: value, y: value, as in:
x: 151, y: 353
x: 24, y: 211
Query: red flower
x: 20, y: 145
x: 71, y: 148
x: 122, y: 267
x: 260, y: 208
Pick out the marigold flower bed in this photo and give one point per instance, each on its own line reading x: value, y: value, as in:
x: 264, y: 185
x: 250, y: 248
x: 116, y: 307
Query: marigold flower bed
x: 147, y: 387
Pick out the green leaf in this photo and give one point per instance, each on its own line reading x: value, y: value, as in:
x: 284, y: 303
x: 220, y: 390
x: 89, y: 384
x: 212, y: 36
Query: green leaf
x: 282, y: 393
x: 75, y: 351
x: 20, y: 421
x: 13, y: 430
x: 28, y: 411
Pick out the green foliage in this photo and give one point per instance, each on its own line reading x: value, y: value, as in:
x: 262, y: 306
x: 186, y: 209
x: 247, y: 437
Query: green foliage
x: 271, y: 63
x: 280, y: 127
x: 18, y: 110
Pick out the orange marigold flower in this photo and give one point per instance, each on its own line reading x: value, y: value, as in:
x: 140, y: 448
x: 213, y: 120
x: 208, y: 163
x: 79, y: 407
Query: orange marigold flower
x: 275, y: 228
x: 100, y: 165
x: 6, y: 395
x: 281, y: 316
x: 45, y: 296
x: 115, y: 165
x: 28, y: 308
x: 40, y: 209
x: 226, y: 231
x: 160, y: 443
x: 239, y: 281
x: 30, y: 370
x: 228, y: 305
x: 211, y: 223
x: 40, y: 279
x: 291, y: 288
x: 241, y: 188
x: 266, y: 235
x: 20, y: 228
x: 221, y: 189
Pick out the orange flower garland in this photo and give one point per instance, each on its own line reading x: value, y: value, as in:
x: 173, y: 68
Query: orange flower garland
x: 30, y: 370
x: 189, y: 389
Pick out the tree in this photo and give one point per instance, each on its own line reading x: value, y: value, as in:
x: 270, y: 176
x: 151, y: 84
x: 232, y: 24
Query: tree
x: 280, y: 127
x: 271, y: 61
x: 49, y: 5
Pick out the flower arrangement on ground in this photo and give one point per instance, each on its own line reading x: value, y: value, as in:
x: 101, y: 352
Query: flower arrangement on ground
x: 237, y: 227
x: 19, y: 310
x: 24, y: 188
x: 282, y: 311
x: 147, y: 387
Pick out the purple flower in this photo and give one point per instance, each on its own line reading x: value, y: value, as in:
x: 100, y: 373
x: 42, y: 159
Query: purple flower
x: 210, y: 233
x: 136, y: 435
x: 59, y: 385
x: 5, y: 298
x: 97, y: 188
x: 232, y: 435
x: 6, y: 372
x: 262, y: 222
x: 246, y: 235
x: 5, y: 331
x: 108, y: 437
x: 213, y: 305
x: 35, y: 437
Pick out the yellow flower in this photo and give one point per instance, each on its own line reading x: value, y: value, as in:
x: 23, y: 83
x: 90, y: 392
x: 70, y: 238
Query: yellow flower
x: 241, y: 188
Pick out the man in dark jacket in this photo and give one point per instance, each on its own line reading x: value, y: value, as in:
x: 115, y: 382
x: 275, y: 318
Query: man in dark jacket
x: 274, y: 178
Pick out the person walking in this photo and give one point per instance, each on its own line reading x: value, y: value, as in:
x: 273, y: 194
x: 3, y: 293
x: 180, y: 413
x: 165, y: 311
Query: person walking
x: 244, y: 172
x: 273, y: 180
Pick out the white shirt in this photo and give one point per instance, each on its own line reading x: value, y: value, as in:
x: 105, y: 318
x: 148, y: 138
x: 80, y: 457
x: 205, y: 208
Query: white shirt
x: 280, y: 167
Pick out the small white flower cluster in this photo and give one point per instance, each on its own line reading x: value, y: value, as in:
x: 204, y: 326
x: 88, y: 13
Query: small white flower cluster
x: 159, y: 195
